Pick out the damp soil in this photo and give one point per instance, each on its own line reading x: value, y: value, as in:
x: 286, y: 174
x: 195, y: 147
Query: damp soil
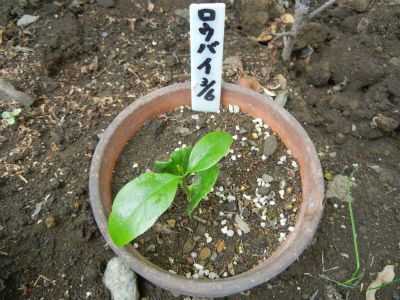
x: 178, y: 243
x: 45, y: 156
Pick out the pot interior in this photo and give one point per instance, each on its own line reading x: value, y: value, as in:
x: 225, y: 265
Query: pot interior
x: 129, y: 121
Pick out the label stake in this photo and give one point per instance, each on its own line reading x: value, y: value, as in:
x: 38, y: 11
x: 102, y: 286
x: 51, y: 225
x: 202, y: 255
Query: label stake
x: 207, y: 22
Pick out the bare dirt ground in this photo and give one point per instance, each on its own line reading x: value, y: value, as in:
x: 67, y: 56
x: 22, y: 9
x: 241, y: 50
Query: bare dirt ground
x: 50, y: 247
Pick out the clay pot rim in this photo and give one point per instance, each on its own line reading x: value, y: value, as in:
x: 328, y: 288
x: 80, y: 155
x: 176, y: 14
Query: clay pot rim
x: 282, y: 122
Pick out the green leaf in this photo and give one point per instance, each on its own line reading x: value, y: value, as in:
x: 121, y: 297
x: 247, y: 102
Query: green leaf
x: 138, y: 205
x: 201, y: 186
x: 208, y: 151
x: 177, y: 164
x: 16, y: 112
x: 6, y: 115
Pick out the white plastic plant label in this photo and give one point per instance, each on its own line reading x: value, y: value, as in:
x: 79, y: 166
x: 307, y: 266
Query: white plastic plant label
x: 207, y: 22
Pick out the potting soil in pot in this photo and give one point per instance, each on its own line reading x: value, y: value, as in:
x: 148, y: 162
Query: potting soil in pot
x: 250, y: 211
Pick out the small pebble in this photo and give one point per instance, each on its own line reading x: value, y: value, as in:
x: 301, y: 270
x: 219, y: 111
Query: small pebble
x: 171, y: 223
x: 224, y: 230
x: 50, y: 222
x: 198, y: 266
x: 151, y: 248
x: 214, y: 256
x: 287, y: 206
x: 205, y: 253
x: 230, y: 233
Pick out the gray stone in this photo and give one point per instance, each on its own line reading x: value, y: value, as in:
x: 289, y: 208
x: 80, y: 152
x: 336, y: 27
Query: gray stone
x: 120, y: 280
x: 8, y: 92
x: 267, y: 178
x: 182, y: 13
x: 270, y: 145
x: 246, y: 213
x: 263, y: 190
x: 281, y: 99
x: 189, y: 245
x: 232, y: 206
x: 170, y: 60
x: 27, y: 20
x: 387, y: 124
x: 183, y: 131
x: 358, y: 5
x: 106, y: 3
x: 338, y: 188
x: 340, y: 138
x: 201, y: 229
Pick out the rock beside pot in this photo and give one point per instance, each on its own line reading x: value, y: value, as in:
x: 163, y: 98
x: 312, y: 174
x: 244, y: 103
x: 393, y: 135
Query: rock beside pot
x: 120, y: 280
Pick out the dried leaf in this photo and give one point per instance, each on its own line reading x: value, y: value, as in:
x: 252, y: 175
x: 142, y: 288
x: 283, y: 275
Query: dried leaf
x: 220, y: 246
x: 150, y: 7
x: 385, y: 276
x: 132, y: 22
x: 279, y: 81
x: 287, y: 19
x: 241, y: 224
x: 269, y: 93
x: 250, y: 83
x: 264, y: 37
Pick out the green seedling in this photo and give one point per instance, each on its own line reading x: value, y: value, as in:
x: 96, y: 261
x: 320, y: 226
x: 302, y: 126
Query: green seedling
x: 143, y: 200
x: 357, y: 275
x: 9, y: 117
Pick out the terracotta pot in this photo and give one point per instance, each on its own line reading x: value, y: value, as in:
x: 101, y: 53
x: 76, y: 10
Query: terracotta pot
x: 131, y: 119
